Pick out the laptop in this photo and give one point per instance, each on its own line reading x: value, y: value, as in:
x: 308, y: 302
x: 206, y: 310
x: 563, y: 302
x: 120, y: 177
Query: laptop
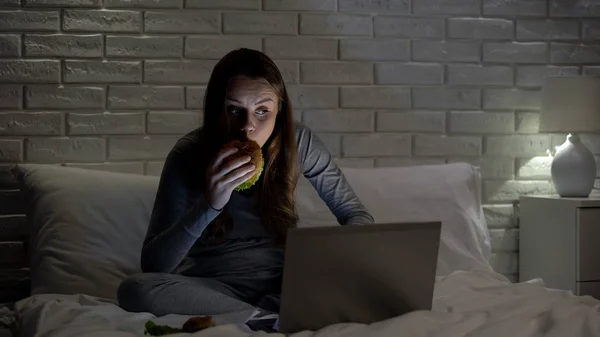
x: 357, y: 274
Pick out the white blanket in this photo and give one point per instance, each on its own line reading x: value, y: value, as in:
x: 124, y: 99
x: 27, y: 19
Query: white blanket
x: 465, y: 304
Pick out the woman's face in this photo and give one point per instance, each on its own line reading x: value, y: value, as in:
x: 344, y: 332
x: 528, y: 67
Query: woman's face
x: 252, y: 106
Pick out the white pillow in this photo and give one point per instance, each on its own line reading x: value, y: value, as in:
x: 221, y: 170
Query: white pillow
x: 449, y: 193
x: 86, y: 228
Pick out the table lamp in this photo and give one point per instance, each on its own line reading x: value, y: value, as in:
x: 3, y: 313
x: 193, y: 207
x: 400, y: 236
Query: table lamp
x: 571, y: 105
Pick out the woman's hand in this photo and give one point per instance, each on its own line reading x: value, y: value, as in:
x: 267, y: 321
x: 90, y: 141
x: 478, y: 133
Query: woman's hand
x: 223, y: 175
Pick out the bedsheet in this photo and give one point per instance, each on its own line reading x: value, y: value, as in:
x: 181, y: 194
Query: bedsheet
x: 476, y: 303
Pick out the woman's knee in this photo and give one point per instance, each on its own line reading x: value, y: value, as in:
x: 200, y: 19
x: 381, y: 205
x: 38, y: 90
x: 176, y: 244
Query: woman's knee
x: 133, y: 292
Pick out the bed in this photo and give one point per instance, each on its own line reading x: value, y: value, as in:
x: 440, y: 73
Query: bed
x: 86, y: 230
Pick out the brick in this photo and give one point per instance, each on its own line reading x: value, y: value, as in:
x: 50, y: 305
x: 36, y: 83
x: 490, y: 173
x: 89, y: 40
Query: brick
x: 154, y: 168
x: 591, y: 70
x: 147, y: 97
x: 474, y: 74
x: 515, y: 52
x: 10, y: 3
x: 336, y: 72
x: 558, y: 139
x: 102, y: 71
x: 32, y: 71
x: 54, y: 97
x: 355, y: 162
x: 223, y: 4
x: 591, y: 30
x: 313, y: 97
x: 105, y: 123
x: 499, y: 216
x: 25, y: 21
x: 60, y: 45
x: 408, y: 161
x: 408, y: 73
x: 12, y: 254
x: 260, y: 23
x: 592, y: 141
x: 15, y: 283
x: 13, y: 227
x: 10, y: 45
x: 144, y: 46
x: 512, y: 7
x: 373, y: 145
x: 10, y: 96
x: 215, y: 47
x: 505, y: 263
x: 30, y: 123
x: 305, y: 5
x: 574, y: 53
x: 173, y: 122
x: 504, y: 240
x: 446, y: 98
x: 481, y: 122
x: 55, y: 150
x: 443, y: 145
x: 193, y: 22
x: 62, y: 3
x: 413, y: 121
x: 408, y: 27
x: 336, y: 24
x: 574, y: 8
x: 194, y: 97
x: 374, y: 49
x: 130, y: 168
x: 468, y: 7
x: 511, y: 99
x: 140, y: 148
x: 517, y: 145
x: 480, y: 28
x: 534, y: 76
x: 144, y: 3
x: 11, y: 150
x: 490, y: 167
x: 297, y: 115
x: 102, y: 21
x: 379, y: 97
x: 534, y: 168
x: 506, y: 191
x: 547, y: 30
x: 289, y: 71
x: 527, y: 122
x: 197, y: 71
x: 375, y: 6
x: 301, y: 48
x: 339, y: 120
x: 332, y: 142
x: 446, y: 51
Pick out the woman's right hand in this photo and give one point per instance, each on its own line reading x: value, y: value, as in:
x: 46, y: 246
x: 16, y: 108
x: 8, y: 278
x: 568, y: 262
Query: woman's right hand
x: 224, y: 174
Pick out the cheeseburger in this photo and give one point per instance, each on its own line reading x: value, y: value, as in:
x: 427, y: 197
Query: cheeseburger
x: 252, y: 149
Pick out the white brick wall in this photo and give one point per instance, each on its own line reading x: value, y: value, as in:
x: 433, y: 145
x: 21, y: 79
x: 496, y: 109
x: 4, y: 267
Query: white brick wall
x: 111, y: 84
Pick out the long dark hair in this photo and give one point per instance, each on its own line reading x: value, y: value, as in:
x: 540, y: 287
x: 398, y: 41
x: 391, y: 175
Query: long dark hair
x: 275, y: 189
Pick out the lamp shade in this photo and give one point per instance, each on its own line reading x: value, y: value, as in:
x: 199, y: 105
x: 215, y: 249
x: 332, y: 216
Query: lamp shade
x: 570, y: 104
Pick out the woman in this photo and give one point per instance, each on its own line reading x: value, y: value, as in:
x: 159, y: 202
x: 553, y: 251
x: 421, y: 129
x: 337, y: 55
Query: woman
x: 212, y: 250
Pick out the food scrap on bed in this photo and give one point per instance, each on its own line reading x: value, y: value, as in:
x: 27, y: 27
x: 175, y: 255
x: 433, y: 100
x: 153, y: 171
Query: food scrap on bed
x: 193, y: 324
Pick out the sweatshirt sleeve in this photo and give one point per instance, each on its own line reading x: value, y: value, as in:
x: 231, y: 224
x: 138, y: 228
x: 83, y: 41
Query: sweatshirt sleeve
x: 177, y: 220
x: 318, y: 166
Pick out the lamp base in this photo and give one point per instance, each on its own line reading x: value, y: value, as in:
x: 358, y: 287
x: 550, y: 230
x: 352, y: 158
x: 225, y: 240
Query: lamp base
x: 573, y: 169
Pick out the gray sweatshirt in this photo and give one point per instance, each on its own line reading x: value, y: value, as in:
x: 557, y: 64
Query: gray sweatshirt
x: 174, y: 241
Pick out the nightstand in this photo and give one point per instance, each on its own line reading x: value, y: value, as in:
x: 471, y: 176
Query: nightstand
x: 559, y: 242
